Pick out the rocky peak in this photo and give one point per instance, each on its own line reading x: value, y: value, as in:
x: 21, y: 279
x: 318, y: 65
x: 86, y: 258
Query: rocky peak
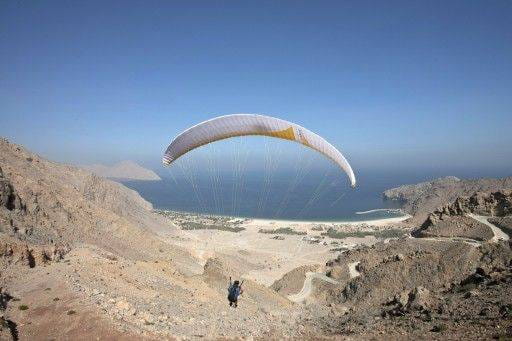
x: 128, y: 170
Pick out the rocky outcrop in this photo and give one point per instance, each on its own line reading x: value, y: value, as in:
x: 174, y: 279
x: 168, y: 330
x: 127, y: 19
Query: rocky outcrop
x: 8, y: 328
x: 13, y: 251
x: 455, y: 227
x: 9, y: 199
x: 490, y: 204
x: 292, y: 281
x: 421, y: 199
x: 450, y: 220
x: 419, y: 299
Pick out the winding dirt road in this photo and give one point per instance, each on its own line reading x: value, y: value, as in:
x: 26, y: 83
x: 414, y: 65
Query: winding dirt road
x: 498, y: 233
x: 352, y: 267
x: 308, y: 286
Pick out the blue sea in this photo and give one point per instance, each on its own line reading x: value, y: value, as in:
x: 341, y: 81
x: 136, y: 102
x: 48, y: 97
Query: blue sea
x: 315, y: 197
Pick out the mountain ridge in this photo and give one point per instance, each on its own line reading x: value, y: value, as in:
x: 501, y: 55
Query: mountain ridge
x: 420, y: 199
x: 123, y: 170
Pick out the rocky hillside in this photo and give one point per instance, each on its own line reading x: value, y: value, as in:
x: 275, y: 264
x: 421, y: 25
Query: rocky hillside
x: 420, y: 289
x: 503, y: 223
x: 453, y: 221
x: 455, y: 282
x: 124, y: 170
x: 83, y: 257
x: 421, y: 199
x: 48, y: 203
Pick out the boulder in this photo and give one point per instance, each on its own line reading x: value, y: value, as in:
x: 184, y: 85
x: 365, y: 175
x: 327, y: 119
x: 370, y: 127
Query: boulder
x: 336, y: 272
x: 419, y: 299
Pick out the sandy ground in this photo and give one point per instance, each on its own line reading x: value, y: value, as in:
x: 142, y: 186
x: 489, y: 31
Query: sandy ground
x: 269, y: 259
x: 305, y: 223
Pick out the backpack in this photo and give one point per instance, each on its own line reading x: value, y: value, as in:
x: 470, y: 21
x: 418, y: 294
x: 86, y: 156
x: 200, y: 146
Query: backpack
x: 233, y: 292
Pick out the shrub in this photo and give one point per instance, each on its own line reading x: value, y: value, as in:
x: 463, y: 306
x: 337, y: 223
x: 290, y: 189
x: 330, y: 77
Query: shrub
x: 439, y: 328
x: 389, y: 233
x: 192, y: 225
x: 282, y: 230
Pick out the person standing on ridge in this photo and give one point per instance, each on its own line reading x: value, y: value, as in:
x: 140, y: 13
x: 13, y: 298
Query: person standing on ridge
x: 234, y: 290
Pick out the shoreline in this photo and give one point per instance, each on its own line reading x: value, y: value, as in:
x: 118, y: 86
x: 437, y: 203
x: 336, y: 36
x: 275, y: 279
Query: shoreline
x: 373, y: 222
x: 394, y: 210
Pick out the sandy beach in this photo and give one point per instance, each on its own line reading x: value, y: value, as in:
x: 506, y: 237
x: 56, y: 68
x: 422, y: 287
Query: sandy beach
x: 374, y: 222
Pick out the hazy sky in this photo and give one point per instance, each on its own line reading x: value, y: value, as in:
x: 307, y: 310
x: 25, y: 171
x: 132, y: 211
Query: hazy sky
x: 392, y: 83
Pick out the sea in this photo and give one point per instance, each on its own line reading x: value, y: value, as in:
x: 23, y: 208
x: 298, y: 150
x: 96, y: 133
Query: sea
x: 313, y: 197
x: 266, y: 178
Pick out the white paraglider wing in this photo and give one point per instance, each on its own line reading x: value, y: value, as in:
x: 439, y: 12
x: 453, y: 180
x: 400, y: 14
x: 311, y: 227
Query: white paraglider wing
x: 224, y: 127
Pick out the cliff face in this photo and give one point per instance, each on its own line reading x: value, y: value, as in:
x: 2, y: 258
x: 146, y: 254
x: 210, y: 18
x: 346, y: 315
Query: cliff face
x: 421, y: 199
x: 123, y: 170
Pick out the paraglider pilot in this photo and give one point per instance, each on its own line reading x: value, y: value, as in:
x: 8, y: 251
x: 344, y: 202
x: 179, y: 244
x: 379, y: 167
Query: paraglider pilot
x: 234, y: 290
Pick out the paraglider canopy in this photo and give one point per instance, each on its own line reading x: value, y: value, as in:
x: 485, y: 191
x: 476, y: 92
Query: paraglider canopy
x: 224, y: 127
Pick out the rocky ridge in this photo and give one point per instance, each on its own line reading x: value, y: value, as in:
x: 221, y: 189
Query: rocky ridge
x: 441, y: 287
x: 124, y: 170
x: 421, y: 199
x: 49, y: 203
x: 452, y: 220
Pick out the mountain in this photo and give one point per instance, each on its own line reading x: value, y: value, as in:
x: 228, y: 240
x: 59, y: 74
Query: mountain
x: 47, y: 203
x: 123, y: 170
x: 421, y: 199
